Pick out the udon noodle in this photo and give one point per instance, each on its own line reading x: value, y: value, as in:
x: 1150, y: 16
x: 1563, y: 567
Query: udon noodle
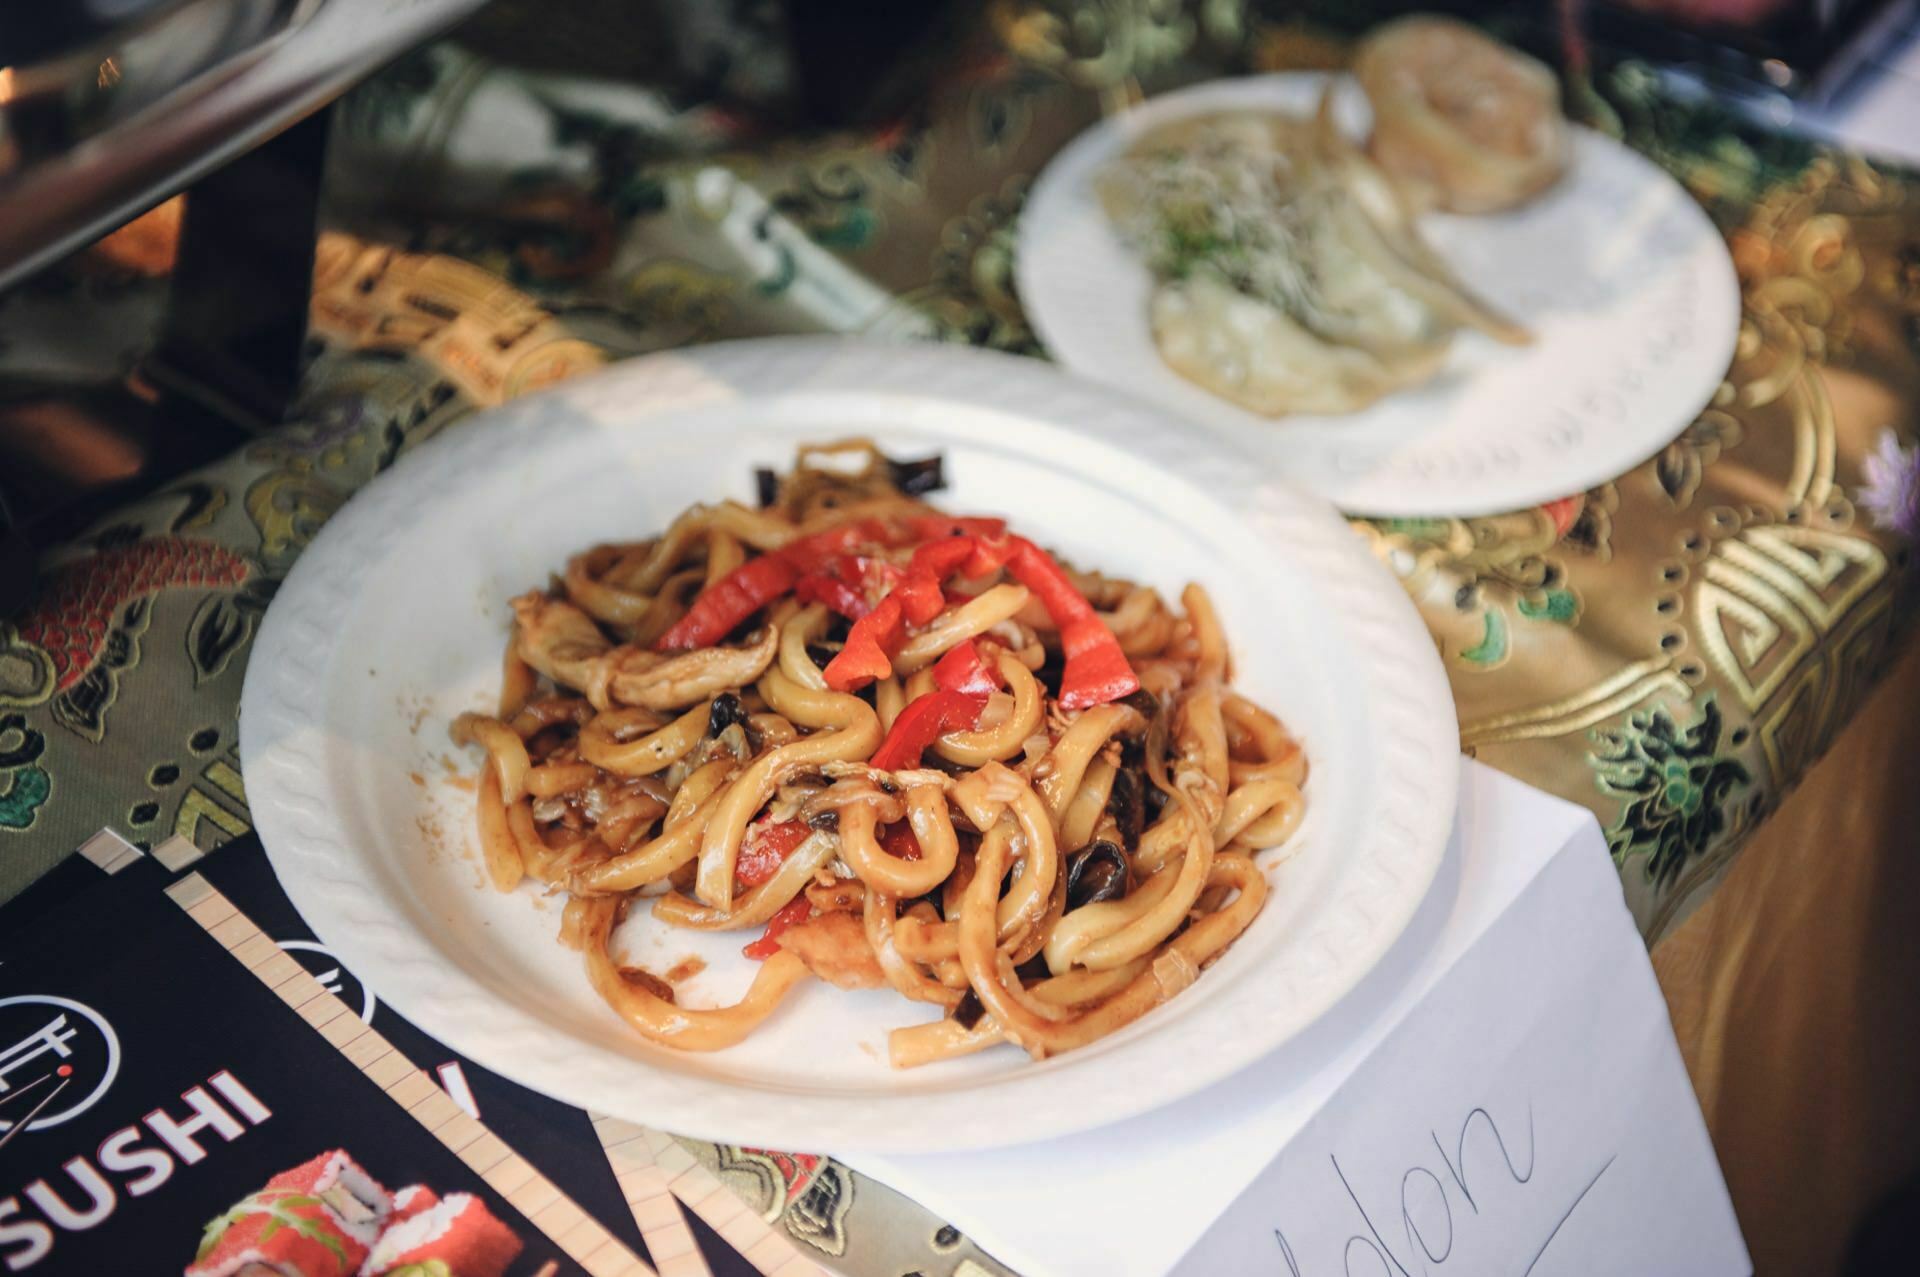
x: 902, y: 749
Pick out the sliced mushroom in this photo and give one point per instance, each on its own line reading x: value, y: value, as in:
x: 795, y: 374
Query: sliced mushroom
x: 1145, y: 703
x: 726, y: 711
x: 561, y: 641
x: 917, y: 478
x: 967, y: 1011
x: 680, y: 681
x: 1127, y: 804
x: 1095, y: 873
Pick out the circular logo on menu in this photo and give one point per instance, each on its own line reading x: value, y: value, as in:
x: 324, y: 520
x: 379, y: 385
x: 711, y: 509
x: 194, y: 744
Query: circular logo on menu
x: 57, y: 1058
x: 332, y: 975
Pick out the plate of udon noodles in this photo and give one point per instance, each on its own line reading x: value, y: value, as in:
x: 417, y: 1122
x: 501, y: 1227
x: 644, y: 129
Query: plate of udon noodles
x: 819, y: 744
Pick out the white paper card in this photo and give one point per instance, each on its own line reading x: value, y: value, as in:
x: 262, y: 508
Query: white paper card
x: 1520, y: 989
x: 1530, y: 1116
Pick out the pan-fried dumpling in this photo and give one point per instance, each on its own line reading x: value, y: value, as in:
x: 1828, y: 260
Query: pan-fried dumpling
x: 1460, y: 120
x: 1257, y: 356
x: 1386, y: 221
x: 1290, y: 277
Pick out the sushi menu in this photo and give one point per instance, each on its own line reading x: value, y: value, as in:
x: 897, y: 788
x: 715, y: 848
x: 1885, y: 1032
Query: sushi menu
x: 558, y: 1138
x: 178, y: 1094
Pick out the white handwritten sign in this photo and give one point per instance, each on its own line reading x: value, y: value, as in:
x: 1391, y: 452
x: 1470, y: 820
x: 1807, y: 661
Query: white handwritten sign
x: 1530, y: 1116
x: 1503, y: 1096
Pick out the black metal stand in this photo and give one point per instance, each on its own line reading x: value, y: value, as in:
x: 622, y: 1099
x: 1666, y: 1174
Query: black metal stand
x: 226, y: 366
x: 237, y: 315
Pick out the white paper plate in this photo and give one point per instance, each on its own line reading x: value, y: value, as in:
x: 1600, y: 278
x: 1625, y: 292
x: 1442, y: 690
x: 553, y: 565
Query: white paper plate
x: 393, y: 622
x: 1626, y: 285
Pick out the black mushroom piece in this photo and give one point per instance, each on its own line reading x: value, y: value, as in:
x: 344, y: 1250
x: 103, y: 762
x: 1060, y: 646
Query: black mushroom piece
x: 826, y: 820
x: 967, y: 1011
x: 766, y: 485
x: 1143, y: 702
x: 1094, y: 873
x: 1156, y: 802
x: 726, y: 711
x: 1052, y: 667
x: 1127, y: 804
x: 917, y: 478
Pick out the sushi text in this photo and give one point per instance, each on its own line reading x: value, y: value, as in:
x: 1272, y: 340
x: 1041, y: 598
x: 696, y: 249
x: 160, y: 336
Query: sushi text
x: 139, y: 1159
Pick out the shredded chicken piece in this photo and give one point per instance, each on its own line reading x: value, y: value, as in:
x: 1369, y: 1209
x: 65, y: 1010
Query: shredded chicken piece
x: 643, y: 678
x: 561, y: 641
x: 834, y: 947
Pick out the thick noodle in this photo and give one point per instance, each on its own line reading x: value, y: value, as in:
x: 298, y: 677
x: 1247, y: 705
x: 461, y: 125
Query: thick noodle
x: 1037, y: 875
x: 667, y: 1022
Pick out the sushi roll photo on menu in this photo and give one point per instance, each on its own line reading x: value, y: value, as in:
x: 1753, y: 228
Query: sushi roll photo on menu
x: 179, y: 1095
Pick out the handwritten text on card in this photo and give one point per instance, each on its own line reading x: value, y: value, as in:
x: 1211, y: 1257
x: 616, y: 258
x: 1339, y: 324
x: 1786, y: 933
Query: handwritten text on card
x: 1477, y: 1180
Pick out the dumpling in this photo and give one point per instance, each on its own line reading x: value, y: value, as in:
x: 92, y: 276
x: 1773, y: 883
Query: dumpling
x: 1392, y: 242
x: 1460, y: 120
x: 1202, y: 189
x: 1291, y: 275
x: 1256, y: 356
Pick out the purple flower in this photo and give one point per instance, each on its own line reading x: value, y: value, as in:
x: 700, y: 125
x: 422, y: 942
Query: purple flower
x: 1891, y: 490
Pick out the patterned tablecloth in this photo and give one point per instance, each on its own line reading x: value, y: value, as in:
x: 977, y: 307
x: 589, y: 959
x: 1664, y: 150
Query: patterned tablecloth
x: 1672, y: 649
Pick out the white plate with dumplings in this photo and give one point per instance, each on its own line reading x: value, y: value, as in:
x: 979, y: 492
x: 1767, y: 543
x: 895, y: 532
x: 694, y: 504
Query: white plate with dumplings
x: 1620, y: 301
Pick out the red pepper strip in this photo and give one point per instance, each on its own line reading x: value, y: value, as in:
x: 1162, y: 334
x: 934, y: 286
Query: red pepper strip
x: 727, y: 602
x: 1035, y: 569
x: 851, y: 584
x: 872, y: 574
x: 925, y: 719
x: 868, y: 652
x: 962, y: 670
x: 818, y: 587
x: 817, y: 552
x: 865, y: 656
x: 765, y: 848
x: 944, y: 557
x: 875, y: 578
x: 929, y: 526
x: 795, y: 911
x: 967, y: 556
x: 989, y: 554
x: 920, y: 595
x: 1096, y: 670
x: 900, y: 843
